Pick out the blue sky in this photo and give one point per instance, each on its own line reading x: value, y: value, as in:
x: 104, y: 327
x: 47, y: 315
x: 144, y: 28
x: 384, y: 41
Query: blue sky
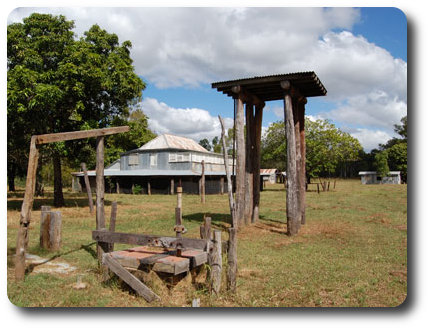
x: 360, y: 55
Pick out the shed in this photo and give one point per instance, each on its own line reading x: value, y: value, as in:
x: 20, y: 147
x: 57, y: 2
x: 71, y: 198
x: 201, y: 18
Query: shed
x: 371, y: 177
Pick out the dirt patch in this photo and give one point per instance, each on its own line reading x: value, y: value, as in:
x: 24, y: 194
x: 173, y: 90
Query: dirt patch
x: 378, y: 218
x: 42, y: 265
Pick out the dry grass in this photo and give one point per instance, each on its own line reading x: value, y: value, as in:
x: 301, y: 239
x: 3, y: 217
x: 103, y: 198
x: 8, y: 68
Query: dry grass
x: 350, y: 252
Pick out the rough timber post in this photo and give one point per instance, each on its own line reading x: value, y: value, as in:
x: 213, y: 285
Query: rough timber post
x: 250, y: 156
x: 291, y: 161
x: 100, y: 194
x: 203, y: 184
x: 302, y: 103
x: 25, y: 216
x: 240, y: 159
x: 298, y: 161
x: 256, y: 159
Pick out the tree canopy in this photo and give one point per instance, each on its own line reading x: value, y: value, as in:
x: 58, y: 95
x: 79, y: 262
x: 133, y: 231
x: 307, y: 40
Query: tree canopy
x: 57, y: 82
x: 327, y: 147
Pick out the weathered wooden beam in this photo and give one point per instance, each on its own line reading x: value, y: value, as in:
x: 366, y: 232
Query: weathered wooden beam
x: 88, y: 187
x: 291, y: 203
x: 129, y: 278
x: 303, y: 159
x: 232, y: 260
x: 50, y: 230
x: 25, y: 215
x: 66, y: 136
x: 298, y: 162
x: 100, y: 194
x: 205, y: 229
x: 203, y: 184
x: 112, y: 222
x: 257, y: 161
x: 246, y: 95
x: 228, y: 174
x: 152, y: 240
x: 240, y: 163
x: 249, y: 162
x: 215, y: 262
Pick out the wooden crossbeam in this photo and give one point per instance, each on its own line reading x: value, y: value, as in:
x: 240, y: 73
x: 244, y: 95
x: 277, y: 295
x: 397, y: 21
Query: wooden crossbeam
x: 129, y: 278
x: 153, y: 240
x: 66, y: 136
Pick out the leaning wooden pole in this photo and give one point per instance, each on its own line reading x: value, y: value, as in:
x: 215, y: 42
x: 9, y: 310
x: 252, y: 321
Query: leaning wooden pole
x: 291, y: 203
x: 88, y: 187
x: 25, y: 216
x: 228, y: 174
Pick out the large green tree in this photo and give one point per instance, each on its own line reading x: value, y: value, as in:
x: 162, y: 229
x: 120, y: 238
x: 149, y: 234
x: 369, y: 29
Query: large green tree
x: 57, y: 82
x: 327, y: 148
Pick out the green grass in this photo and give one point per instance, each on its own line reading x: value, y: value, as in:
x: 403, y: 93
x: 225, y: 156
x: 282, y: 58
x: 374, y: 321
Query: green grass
x: 350, y: 253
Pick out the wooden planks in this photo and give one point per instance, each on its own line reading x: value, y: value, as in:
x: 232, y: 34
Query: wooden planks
x: 129, y: 278
x: 151, y: 240
x: 66, y: 136
x: 240, y: 163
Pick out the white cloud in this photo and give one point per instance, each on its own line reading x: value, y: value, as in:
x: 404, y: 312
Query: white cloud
x: 192, y: 46
x: 190, y: 122
x: 370, y: 139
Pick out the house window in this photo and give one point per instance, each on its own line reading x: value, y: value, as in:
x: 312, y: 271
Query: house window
x: 133, y: 159
x: 172, y: 157
x: 153, y: 159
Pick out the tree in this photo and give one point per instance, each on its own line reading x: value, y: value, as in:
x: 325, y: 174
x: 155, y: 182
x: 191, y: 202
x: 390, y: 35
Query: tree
x: 381, y: 164
x: 58, y: 83
x: 205, y: 144
x: 327, y: 148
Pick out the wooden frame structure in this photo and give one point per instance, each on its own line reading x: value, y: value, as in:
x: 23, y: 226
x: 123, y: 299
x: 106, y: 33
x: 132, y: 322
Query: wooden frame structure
x: 293, y: 89
x: 27, y: 204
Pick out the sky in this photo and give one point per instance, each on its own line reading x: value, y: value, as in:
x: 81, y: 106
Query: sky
x: 359, y: 54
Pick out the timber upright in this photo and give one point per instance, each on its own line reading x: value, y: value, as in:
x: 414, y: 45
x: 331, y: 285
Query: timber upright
x: 293, y: 89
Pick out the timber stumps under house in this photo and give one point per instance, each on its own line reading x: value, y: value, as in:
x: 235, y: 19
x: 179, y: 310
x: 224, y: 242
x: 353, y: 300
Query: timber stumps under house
x: 293, y: 89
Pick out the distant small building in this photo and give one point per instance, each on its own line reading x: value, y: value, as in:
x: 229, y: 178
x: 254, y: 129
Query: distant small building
x: 161, y: 165
x: 371, y: 177
x: 268, y: 174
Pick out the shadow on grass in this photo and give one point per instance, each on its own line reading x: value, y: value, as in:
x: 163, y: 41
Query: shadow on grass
x: 49, y: 200
x: 219, y: 220
x: 12, y: 251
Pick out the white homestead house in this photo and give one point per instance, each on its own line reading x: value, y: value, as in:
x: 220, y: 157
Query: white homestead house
x: 161, y: 165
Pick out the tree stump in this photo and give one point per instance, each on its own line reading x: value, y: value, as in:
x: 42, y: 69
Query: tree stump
x: 50, y: 230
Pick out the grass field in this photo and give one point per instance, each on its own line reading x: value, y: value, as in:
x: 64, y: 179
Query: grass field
x: 352, y: 252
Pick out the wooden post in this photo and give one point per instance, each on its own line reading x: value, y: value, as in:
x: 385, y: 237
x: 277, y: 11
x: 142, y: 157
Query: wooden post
x: 256, y: 168
x: 249, y: 160
x: 303, y: 159
x: 203, y: 183
x: 172, y: 186
x: 298, y: 162
x: 117, y: 187
x: 179, y: 197
x: 45, y: 216
x: 216, y: 263
x: 205, y: 228
x: 228, y: 174
x: 178, y: 222
x: 25, y: 216
x: 240, y: 163
x: 149, y: 187
x: 291, y: 203
x: 100, y: 194
x: 232, y: 260
x: 221, y: 185
x: 112, y: 223
x: 88, y: 187
x: 50, y: 229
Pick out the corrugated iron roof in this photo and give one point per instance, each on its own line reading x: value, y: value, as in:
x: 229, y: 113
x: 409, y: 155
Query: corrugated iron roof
x: 268, y: 88
x: 170, y: 141
x: 267, y: 171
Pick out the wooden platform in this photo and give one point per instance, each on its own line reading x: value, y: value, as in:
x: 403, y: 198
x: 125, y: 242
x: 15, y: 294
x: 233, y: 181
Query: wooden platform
x: 160, y: 260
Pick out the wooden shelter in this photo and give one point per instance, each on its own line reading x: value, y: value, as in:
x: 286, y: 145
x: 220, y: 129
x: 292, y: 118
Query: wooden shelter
x: 293, y: 89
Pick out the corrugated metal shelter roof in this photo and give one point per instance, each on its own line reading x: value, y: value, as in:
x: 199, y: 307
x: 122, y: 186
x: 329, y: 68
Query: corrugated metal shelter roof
x: 170, y: 141
x: 268, y: 88
x: 267, y: 171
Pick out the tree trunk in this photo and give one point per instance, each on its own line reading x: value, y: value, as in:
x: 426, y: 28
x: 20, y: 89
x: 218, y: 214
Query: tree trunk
x: 58, y: 183
x: 11, y: 176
